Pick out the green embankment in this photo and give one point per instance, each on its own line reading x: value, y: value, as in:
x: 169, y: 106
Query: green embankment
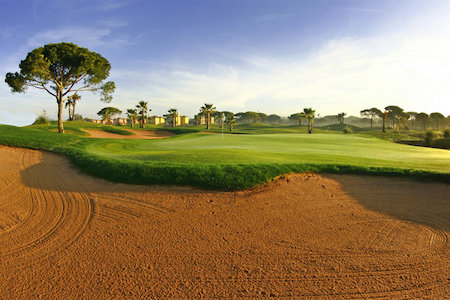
x: 231, y: 161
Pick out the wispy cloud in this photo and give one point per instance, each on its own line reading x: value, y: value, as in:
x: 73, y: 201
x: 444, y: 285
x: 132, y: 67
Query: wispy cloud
x: 83, y: 5
x: 87, y: 36
x: 347, y: 74
x: 8, y: 31
x: 83, y: 36
x: 271, y: 17
x: 361, y: 9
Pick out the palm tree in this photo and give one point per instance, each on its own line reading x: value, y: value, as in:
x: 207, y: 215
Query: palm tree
x: 173, y: 115
x: 340, y: 117
x: 230, y: 121
x: 132, y: 115
x: 207, y: 110
x: 309, y: 116
x: 143, y: 108
x: 68, y: 104
x: 198, y: 118
x: 219, y: 118
x: 297, y: 117
x: 75, y: 98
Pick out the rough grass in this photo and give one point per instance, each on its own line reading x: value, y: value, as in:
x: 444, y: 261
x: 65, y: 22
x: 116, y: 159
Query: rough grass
x: 237, y: 161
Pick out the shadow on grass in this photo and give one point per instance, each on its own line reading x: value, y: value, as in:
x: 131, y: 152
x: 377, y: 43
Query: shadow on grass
x: 56, y: 173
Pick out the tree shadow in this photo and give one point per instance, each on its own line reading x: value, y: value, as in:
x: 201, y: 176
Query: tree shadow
x: 426, y: 203
x: 55, y: 173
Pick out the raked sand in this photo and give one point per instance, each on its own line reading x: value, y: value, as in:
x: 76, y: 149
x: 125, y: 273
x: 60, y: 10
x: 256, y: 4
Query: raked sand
x: 64, y: 234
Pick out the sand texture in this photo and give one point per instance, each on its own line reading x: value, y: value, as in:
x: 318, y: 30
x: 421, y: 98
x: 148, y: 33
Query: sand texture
x: 67, y: 235
x: 138, y: 134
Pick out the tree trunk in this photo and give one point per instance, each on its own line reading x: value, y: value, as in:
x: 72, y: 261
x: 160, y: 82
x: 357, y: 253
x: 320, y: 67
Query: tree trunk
x: 60, y: 111
x: 384, y: 125
x: 207, y: 120
x: 371, y: 123
x: 299, y: 122
x: 309, y: 127
x: 70, y: 114
x: 73, y: 111
x: 231, y: 126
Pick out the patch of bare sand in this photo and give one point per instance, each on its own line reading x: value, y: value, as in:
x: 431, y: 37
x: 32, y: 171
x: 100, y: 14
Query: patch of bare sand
x: 138, y: 134
x: 64, y: 235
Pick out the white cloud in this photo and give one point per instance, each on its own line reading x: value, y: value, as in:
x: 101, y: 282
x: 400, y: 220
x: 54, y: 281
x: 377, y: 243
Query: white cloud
x: 409, y: 68
x: 83, y: 36
x: 346, y: 74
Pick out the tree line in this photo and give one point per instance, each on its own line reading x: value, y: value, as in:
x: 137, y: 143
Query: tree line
x: 64, y: 70
x: 398, y: 118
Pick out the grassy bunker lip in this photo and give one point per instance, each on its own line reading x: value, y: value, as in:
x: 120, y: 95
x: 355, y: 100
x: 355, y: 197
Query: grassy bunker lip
x: 115, y: 130
x: 218, y: 176
x: 222, y: 177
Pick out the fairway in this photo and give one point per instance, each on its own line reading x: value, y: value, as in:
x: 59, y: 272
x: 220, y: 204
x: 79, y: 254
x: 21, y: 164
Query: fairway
x: 228, y: 161
x: 276, y: 148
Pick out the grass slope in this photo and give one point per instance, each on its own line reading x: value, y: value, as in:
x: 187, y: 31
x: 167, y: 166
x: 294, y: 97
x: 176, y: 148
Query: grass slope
x: 77, y: 128
x: 231, y: 161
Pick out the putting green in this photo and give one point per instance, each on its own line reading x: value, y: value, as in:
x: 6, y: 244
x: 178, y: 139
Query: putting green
x: 276, y: 148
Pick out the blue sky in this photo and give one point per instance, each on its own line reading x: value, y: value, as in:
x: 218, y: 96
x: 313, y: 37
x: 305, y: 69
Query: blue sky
x: 268, y: 56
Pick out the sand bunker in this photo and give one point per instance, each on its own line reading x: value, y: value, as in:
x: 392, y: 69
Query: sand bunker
x: 138, y: 134
x: 67, y: 235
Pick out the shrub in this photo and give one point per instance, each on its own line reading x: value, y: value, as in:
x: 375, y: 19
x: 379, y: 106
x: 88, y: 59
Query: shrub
x: 441, y: 143
x: 447, y: 133
x: 348, y: 130
x: 42, y: 119
x: 429, y: 137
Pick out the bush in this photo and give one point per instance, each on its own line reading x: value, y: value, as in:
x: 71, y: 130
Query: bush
x: 447, y: 133
x: 429, y: 137
x: 441, y: 143
x: 348, y: 130
x: 42, y: 119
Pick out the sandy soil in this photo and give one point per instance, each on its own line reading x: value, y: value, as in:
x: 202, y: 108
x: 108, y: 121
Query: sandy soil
x: 67, y: 235
x: 138, y: 134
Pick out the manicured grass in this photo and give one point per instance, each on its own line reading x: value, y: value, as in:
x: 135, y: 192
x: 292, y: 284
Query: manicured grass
x: 341, y: 127
x: 354, y: 150
x: 77, y: 127
x: 116, y: 130
x: 251, y: 128
x: 232, y: 161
